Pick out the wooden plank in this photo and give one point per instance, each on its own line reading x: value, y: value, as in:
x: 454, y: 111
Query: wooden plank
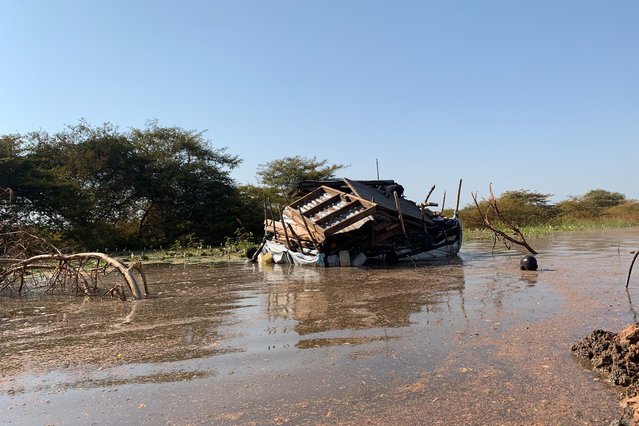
x: 274, y: 226
x: 297, y: 237
x: 313, y: 195
x: 399, y: 212
x: 320, y: 206
x: 310, y: 233
x: 347, y: 222
x: 336, y: 213
x: 384, y: 200
x: 332, y: 209
x: 269, y: 225
x: 300, y: 230
x: 272, y: 217
x: 288, y: 243
x: 324, y: 190
x: 316, y: 231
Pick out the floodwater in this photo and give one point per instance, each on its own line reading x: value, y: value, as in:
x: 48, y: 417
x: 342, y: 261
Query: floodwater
x: 471, y: 341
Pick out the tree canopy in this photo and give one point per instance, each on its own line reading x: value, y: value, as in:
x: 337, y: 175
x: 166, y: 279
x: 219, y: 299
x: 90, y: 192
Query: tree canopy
x: 591, y: 204
x: 522, y: 207
x: 282, y: 175
x: 100, y: 186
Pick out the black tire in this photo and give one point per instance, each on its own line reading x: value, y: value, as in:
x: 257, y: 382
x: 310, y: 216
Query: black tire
x: 250, y: 252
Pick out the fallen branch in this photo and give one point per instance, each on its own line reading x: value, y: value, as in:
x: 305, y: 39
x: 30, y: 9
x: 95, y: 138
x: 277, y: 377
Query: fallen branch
x: 66, y: 272
x: 519, y: 238
x: 30, y: 262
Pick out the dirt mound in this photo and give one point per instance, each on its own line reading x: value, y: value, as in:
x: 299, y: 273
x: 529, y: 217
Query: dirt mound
x: 616, y: 356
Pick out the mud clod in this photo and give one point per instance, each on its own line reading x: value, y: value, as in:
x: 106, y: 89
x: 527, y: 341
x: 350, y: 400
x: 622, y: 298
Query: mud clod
x: 616, y: 356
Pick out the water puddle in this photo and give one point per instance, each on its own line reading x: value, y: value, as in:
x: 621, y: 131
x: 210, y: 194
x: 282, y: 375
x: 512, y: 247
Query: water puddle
x: 474, y: 340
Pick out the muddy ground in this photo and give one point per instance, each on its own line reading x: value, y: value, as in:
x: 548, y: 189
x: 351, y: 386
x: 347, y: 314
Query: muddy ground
x: 472, y: 341
x: 616, y: 357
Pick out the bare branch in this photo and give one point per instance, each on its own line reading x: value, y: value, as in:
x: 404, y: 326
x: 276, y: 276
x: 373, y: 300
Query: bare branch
x: 29, y: 262
x: 631, y: 265
x: 519, y: 238
x: 70, y: 269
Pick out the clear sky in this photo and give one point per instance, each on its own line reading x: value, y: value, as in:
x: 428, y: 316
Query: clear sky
x: 540, y: 95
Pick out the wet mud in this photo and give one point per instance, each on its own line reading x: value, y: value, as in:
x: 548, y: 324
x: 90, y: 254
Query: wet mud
x: 616, y: 357
x: 471, y: 341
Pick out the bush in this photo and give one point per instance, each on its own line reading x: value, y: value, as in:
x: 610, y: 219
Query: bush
x: 240, y: 241
x: 522, y: 207
x: 627, y: 211
x: 590, y: 205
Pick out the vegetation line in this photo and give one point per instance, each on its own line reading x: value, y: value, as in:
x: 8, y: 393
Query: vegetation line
x: 99, y: 188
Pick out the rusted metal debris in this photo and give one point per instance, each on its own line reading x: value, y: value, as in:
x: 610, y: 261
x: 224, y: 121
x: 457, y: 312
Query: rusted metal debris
x: 346, y: 222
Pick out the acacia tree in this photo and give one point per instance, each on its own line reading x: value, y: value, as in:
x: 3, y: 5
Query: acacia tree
x: 142, y: 187
x: 40, y: 197
x: 591, y: 204
x: 184, y: 185
x: 279, y: 177
x: 522, y: 207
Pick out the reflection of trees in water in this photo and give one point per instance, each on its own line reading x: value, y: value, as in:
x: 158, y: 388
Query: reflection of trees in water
x: 342, y: 299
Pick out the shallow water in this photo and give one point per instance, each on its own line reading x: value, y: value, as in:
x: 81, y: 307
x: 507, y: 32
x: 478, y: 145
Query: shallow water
x: 473, y: 340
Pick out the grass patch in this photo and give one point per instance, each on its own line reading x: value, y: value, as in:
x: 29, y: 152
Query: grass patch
x: 552, y: 228
x: 206, y: 256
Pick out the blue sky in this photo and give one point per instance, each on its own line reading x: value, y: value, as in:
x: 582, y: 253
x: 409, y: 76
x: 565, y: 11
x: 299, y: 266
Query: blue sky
x: 539, y: 95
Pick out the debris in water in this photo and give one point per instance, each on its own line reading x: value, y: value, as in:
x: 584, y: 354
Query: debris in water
x: 528, y: 263
x: 344, y: 222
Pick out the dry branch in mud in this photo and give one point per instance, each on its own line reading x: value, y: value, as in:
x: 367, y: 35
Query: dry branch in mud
x: 632, y: 264
x: 518, y: 238
x: 29, y: 263
x: 81, y: 273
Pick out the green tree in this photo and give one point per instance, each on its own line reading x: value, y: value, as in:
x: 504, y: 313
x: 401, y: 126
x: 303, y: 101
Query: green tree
x: 253, y: 215
x: 522, y: 207
x: 10, y: 146
x: 105, y: 187
x: 590, y: 205
x: 526, y: 208
x: 598, y: 199
x: 97, y: 162
x: 41, y: 198
x: 627, y: 211
x: 184, y: 186
x: 282, y: 176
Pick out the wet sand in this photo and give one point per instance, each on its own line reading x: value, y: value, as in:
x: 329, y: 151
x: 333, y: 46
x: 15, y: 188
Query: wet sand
x: 472, y: 341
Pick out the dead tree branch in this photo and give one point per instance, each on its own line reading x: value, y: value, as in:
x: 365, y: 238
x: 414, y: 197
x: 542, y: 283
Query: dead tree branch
x: 29, y: 262
x: 518, y: 239
x: 631, y: 265
x: 56, y: 271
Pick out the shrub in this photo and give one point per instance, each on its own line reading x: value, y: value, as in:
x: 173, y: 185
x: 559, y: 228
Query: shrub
x: 627, y: 211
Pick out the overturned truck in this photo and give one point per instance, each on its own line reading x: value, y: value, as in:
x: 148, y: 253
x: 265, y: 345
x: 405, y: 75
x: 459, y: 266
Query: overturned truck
x: 347, y: 223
